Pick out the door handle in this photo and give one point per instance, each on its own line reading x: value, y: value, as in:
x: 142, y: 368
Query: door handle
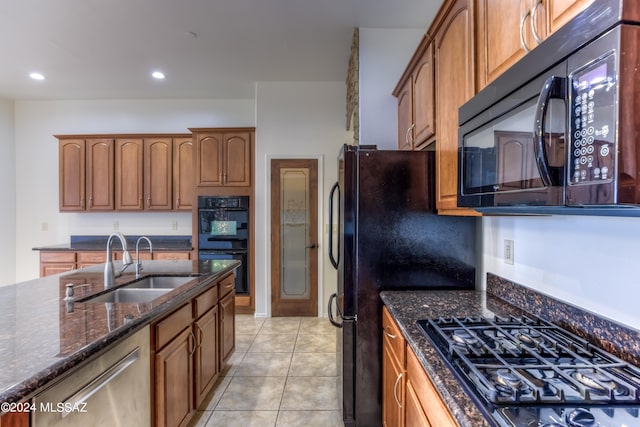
x: 554, y: 88
x: 335, y: 190
x: 332, y: 298
x: 311, y: 246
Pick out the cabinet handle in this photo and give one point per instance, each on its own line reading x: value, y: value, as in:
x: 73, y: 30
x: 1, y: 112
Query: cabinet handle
x: 395, y: 390
x: 201, y: 333
x: 224, y: 178
x: 178, y: 202
x: 522, y: 41
x: 193, y: 345
x: 533, y: 21
x: 148, y: 202
x: 392, y: 336
x: 90, y: 201
x: 406, y: 136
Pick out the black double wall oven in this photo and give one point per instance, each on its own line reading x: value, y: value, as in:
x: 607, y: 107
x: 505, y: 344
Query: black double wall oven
x: 223, y: 233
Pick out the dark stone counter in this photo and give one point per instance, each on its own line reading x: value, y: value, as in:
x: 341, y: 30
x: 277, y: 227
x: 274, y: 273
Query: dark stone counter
x: 503, y: 298
x: 99, y: 243
x: 42, y: 336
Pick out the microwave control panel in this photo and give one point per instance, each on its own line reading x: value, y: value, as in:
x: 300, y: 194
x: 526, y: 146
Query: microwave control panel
x: 593, y: 99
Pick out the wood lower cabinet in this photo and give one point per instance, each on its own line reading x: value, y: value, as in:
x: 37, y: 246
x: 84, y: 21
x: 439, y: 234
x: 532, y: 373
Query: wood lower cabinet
x: 190, y: 346
x: 169, y: 256
x: 15, y: 419
x: 393, y: 374
x: 454, y: 45
x: 409, y: 398
x: 55, y: 262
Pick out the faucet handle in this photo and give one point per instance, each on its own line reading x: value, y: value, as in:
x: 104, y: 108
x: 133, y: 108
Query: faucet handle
x: 126, y: 258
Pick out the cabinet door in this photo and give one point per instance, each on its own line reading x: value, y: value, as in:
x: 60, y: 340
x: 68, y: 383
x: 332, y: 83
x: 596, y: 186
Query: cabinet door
x: 405, y: 116
x: 158, y: 173
x: 99, y: 174
x: 183, y: 184
x: 424, y: 100
x: 209, y: 160
x: 171, y: 256
x: 237, y: 159
x: 392, y: 389
x: 71, y: 169
x: 206, y: 355
x: 174, y: 381
x: 454, y: 60
x: 227, y: 327
x: 414, y: 416
x: 503, y: 34
x: 129, y: 164
x: 559, y: 12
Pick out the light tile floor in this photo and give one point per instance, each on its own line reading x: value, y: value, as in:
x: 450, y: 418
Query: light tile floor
x: 282, y: 374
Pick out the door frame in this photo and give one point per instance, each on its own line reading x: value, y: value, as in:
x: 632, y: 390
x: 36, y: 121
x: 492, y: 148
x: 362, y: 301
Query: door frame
x: 321, y: 225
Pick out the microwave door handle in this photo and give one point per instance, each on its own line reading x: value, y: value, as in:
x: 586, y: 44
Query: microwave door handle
x: 554, y: 88
x: 334, y: 260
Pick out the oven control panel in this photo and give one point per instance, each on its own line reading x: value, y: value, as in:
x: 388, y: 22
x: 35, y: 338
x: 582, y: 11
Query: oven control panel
x: 592, y: 103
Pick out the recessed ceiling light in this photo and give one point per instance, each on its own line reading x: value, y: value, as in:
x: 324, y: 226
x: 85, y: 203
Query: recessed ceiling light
x: 157, y: 75
x: 37, y: 76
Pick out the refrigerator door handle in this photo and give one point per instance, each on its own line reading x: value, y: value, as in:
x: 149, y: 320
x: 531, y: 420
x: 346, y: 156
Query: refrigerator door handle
x: 332, y: 298
x: 334, y: 260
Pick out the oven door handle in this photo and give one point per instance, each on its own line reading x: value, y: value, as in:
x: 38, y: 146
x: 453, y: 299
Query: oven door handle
x: 554, y: 88
x: 334, y: 190
x: 223, y: 251
x: 334, y: 297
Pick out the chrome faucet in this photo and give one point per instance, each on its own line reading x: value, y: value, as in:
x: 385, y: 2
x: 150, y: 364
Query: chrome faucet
x: 109, y: 272
x: 138, y: 263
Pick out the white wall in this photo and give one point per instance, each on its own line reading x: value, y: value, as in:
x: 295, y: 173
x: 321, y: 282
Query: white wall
x: 384, y: 54
x: 7, y: 193
x: 591, y: 262
x: 305, y: 120
x: 36, y: 160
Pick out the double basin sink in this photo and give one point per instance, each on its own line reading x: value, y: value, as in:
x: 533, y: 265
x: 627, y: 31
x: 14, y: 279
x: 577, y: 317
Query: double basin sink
x: 142, y: 290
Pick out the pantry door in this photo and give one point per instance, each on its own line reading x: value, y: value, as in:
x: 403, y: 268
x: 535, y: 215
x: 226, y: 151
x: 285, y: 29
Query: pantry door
x: 294, y: 234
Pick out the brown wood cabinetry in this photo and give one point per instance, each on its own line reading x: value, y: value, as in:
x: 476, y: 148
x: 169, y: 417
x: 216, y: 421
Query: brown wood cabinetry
x: 416, y: 100
x: 183, y: 176
x: 190, y: 351
x: 455, y: 73
x: 409, y: 398
x: 393, y: 361
x: 227, y: 319
x: 15, y: 419
x: 126, y: 172
x: 508, y: 29
x: 55, y: 262
x: 224, y: 157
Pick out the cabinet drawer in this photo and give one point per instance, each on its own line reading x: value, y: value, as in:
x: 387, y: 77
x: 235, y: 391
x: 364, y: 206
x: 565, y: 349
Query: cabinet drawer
x: 205, y: 301
x: 392, y: 336
x: 61, y: 256
x: 227, y: 284
x: 172, y: 325
x: 430, y: 400
x: 168, y: 256
x: 92, y: 257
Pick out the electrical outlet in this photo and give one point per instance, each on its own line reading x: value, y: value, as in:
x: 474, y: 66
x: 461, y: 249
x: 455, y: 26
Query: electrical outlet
x: 116, y: 225
x: 174, y: 225
x: 44, y: 226
x: 508, y: 251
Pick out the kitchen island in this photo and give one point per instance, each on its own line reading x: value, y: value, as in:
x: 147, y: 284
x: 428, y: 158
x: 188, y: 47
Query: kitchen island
x: 504, y: 299
x: 44, y: 336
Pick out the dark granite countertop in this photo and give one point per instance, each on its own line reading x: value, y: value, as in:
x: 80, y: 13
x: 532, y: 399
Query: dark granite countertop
x: 409, y: 306
x: 42, y: 336
x: 99, y: 243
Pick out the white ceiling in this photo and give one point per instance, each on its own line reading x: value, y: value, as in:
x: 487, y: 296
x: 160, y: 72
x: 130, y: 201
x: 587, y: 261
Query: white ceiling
x: 106, y: 49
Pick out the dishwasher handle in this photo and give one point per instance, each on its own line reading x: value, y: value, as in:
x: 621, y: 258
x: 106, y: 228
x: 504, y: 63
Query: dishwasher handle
x: 81, y: 396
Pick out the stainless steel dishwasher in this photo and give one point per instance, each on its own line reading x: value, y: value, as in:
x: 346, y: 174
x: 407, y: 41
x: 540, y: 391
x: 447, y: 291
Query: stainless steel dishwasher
x: 113, y: 390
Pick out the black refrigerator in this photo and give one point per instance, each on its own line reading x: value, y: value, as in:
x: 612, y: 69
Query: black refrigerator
x: 384, y: 235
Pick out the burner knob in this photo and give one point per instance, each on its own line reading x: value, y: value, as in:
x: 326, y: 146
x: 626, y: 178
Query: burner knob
x: 580, y: 417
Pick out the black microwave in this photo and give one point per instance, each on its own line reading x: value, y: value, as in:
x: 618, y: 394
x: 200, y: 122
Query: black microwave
x: 559, y: 132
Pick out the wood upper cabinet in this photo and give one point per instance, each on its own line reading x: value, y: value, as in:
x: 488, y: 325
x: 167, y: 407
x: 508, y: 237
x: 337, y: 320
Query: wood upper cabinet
x: 416, y: 100
x: 71, y: 166
x: 223, y: 157
x: 129, y: 174
x: 508, y: 29
x: 158, y: 173
x: 455, y: 73
x: 183, y: 184
x: 99, y: 174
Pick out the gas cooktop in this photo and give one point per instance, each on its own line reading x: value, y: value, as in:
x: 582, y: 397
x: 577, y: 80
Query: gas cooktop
x: 529, y: 372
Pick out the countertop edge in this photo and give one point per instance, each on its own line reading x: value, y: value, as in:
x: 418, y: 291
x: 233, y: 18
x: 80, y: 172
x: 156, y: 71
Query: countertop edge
x: 31, y: 386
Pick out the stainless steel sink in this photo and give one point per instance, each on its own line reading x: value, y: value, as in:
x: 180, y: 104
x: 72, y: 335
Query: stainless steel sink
x: 160, y: 282
x: 129, y: 295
